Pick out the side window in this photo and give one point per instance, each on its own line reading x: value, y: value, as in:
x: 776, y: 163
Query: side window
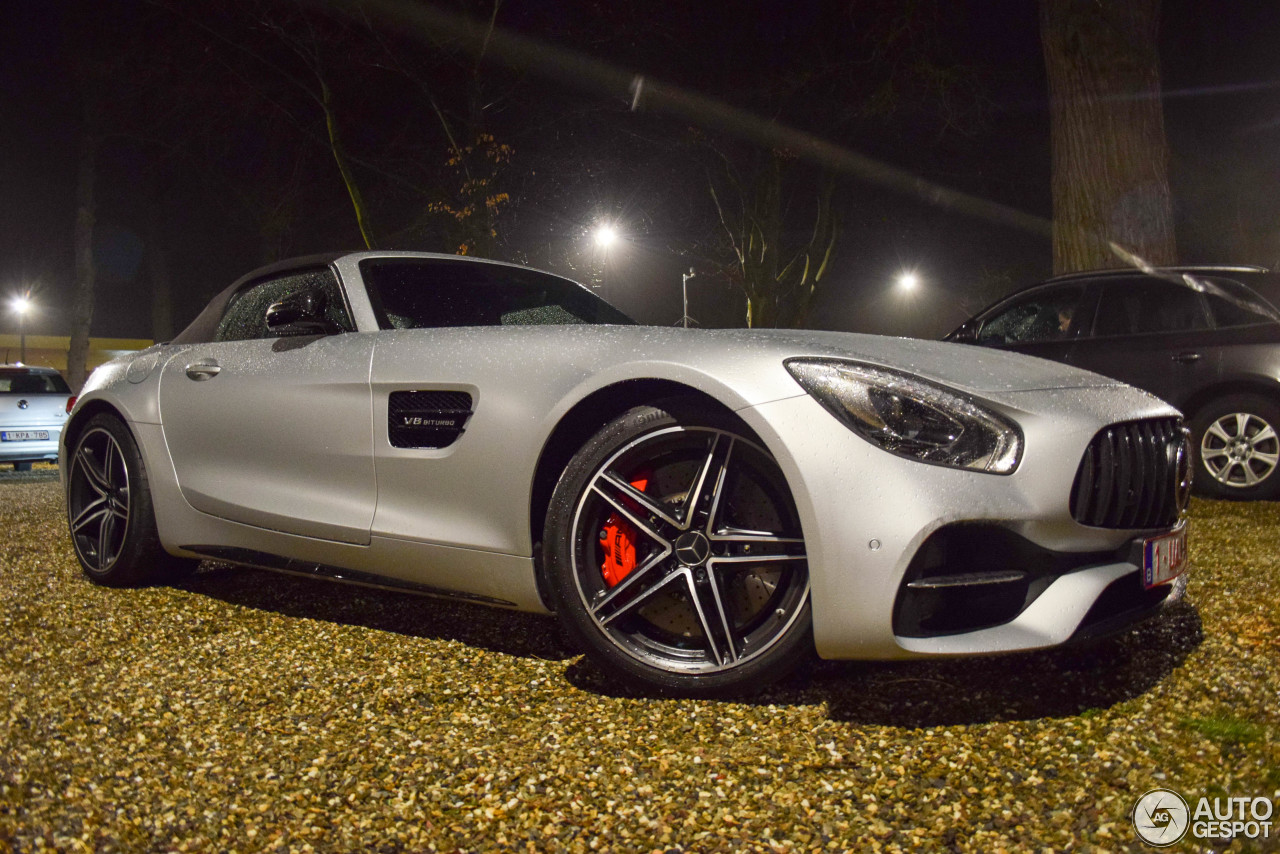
x: 245, y: 317
x: 1228, y: 312
x: 1137, y: 306
x: 1232, y: 304
x: 1049, y: 314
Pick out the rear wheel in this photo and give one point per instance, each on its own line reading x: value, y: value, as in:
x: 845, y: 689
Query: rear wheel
x: 675, y: 554
x: 1238, y: 448
x: 109, y: 510
x: 22, y: 466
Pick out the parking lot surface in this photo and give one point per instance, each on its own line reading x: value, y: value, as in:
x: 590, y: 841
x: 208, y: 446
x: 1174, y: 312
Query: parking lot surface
x: 244, y: 710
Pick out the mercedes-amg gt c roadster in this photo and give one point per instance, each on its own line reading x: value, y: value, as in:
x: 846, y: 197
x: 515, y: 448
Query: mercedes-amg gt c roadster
x: 700, y: 508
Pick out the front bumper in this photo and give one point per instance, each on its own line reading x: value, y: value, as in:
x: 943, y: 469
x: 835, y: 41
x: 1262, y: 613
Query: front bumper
x: 870, y: 518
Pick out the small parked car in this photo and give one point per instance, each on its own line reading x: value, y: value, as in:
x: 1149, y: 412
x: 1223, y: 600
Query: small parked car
x: 34, y: 403
x: 1199, y: 337
x: 701, y: 508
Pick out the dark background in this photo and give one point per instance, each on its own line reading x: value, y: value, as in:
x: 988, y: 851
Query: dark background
x: 205, y: 129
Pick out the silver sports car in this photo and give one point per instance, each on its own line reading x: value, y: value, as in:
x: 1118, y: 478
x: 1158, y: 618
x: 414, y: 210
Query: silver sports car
x: 700, y: 508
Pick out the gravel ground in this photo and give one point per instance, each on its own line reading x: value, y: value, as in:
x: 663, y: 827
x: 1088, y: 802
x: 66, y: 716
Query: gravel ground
x: 248, y: 711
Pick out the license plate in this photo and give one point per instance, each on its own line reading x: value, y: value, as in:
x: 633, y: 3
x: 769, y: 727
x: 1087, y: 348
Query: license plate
x: 1164, y: 557
x: 24, y: 436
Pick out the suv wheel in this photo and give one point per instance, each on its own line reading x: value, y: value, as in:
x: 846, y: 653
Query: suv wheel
x: 1238, y: 448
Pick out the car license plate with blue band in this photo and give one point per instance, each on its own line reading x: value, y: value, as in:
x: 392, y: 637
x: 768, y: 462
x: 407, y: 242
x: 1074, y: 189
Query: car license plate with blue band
x: 24, y: 436
x: 1164, y: 558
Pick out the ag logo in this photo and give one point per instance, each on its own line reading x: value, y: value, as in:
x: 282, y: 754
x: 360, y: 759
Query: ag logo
x: 1161, y: 817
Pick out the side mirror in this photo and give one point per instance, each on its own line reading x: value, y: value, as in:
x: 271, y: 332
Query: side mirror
x: 966, y: 334
x: 301, y: 314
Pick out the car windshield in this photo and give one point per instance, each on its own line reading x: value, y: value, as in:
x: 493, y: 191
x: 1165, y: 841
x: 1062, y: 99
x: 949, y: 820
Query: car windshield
x: 31, y: 382
x: 417, y: 294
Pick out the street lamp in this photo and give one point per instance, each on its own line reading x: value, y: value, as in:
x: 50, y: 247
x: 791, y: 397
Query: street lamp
x: 684, y: 290
x: 21, y: 305
x: 605, y: 236
x: 908, y: 280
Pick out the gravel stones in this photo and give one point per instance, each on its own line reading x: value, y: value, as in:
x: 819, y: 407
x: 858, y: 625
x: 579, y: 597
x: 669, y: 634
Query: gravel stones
x: 249, y: 711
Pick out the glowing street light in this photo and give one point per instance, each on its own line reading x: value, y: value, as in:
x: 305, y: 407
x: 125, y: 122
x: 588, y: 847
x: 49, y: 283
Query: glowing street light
x: 908, y: 280
x: 21, y: 306
x: 605, y: 236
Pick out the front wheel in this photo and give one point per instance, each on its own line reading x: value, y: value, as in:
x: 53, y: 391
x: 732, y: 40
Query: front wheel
x: 1237, y: 447
x: 113, y: 525
x: 675, y: 554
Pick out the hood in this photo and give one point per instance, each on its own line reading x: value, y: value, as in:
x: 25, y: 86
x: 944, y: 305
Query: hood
x: 979, y: 370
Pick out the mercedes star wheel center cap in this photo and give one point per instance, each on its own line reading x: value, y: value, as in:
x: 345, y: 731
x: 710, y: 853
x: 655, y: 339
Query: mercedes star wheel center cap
x: 693, y: 548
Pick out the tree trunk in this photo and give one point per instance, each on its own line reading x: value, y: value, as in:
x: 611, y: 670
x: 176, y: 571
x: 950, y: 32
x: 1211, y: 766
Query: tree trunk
x: 161, y: 282
x: 1110, y: 179
x: 82, y: 301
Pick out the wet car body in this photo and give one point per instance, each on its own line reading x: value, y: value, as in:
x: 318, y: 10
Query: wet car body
x: 694, y: 504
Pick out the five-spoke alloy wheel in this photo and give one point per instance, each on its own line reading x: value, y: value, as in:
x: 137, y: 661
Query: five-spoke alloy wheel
x: 109, y: 508
x: 1238, y: 448
x: 98, y: 499
x: 676, y: 554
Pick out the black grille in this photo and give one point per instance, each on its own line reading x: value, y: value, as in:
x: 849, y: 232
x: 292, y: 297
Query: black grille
x: 427, y: 419
x: 1129, y: 476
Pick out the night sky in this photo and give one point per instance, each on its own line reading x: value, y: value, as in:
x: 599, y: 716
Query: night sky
x: 214, y: 155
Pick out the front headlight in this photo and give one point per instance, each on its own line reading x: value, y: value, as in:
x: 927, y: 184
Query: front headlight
x: 910, y: 417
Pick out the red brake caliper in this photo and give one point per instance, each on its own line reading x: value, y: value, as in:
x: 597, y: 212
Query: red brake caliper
x: 618, y: 540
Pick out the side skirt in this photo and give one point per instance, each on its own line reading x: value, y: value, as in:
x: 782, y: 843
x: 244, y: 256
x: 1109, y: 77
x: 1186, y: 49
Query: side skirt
x: 308, y: 569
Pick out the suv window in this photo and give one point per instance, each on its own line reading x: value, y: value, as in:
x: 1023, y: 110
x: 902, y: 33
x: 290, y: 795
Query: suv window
x: 32, y: 382
x: 415, y: 294
x: 1228, y: 312
x: 246, y: 314
x: 1232, y: 304
x: 1136, y: 306
x: 1048, y: 314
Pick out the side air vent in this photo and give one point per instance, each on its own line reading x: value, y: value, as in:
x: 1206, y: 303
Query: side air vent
x: 427, y: 419
x: 1133, y: 475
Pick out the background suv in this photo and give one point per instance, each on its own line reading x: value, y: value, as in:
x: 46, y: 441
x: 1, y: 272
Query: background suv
x: 1202, y: 338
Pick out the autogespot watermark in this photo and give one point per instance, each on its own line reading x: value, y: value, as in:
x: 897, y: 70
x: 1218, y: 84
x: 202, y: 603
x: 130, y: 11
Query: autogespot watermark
x: 1162, y: 817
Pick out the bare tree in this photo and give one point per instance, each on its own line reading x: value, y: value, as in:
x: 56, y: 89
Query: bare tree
x: 883, y: 71
x: 304, y: 39
x: 469, y: 197
x: 777, y: 271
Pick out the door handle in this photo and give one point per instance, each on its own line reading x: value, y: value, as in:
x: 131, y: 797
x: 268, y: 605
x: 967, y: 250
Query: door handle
x: 1187, y: 358
x: 205, y: 369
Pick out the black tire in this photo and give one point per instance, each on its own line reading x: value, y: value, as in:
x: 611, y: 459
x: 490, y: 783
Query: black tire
x: 717, y: 601
x: 23, y: 466
x: 1237, y: 447
x: 109, y: 510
